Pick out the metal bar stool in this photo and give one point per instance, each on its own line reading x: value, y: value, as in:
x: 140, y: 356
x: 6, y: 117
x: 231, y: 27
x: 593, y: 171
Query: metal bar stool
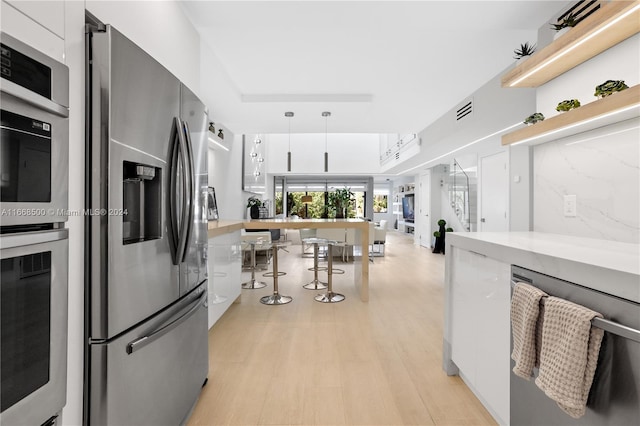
x: 315, y: 284
x: 276, y: 298
x: 330, y: 296
x: 252, y: 284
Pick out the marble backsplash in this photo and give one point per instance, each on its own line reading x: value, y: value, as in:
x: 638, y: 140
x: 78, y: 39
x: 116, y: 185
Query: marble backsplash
x: 602, y: 169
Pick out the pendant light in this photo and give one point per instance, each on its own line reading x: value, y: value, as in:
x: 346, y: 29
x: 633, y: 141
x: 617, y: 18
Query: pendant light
x: 326, y: 115
x: 289, y: 114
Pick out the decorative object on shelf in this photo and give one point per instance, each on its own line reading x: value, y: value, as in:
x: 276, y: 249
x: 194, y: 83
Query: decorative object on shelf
x: 326, y: 115
x: 525, y: 49
x: 212, y: 127
x: 254, y: 204
x: 212, y: 204
x: 567, y: 21
x: 534, y: 118
x: 438, y: 247
x: 220, y: 134
x: 612, y: 23
x: 289, y: 114
x: 609, y: 87
x: 340, y: 200
x: 568, y: 105
x: 601, y: 112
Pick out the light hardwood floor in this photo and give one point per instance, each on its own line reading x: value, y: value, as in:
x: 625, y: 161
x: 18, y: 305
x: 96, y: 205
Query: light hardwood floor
x: 349, y: 363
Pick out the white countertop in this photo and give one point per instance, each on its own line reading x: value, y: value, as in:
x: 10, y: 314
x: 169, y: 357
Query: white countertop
x: 608, y: 266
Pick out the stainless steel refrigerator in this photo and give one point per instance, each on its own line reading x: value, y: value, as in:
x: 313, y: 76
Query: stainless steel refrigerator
x: 146, y: 238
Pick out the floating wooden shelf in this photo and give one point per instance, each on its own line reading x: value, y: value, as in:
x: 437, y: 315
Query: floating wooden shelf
x: 613, y: 108
x: 612, y: 23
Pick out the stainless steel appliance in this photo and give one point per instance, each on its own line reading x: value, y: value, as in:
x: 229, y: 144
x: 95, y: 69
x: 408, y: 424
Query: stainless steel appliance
x: 34, y: 145
x: 146, y: 315
x: 34, y: 153
x: 615, y: 393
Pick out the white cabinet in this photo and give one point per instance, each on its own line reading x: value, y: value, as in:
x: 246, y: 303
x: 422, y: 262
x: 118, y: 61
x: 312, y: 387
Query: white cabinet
x: 38, y: 24
x: 480, y: 326
x: 49, y: 14
x: 225, y: 269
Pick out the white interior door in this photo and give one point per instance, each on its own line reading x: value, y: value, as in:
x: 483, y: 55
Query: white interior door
x: 424, y: 212
x: 494, y: 193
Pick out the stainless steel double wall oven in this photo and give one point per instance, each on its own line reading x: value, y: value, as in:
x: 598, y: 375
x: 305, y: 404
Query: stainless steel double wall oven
x: 33, y: 241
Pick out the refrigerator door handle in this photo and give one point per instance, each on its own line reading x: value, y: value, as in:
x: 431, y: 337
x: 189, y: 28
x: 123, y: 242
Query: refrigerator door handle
x: 174, y: 231
x: 159, y: 332
x: 192, y: 189
x: 186, y: 194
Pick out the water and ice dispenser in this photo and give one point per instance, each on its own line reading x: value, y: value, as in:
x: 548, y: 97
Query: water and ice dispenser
x: 142, y: 202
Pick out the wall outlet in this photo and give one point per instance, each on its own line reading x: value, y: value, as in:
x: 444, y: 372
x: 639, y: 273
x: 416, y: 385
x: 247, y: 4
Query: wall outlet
x: 570, y: 206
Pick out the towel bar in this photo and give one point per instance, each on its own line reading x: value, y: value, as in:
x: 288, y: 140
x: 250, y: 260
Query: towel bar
x: 604, y: 324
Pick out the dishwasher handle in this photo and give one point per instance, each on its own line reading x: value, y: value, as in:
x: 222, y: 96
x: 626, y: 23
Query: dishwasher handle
x: 604, y: 324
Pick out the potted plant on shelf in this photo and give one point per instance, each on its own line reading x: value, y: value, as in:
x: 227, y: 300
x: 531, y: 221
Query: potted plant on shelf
x: 526, y: 49
x: 254, y: 204
x: 565, y: 24
x: 438, y: 247
x: 609, y: 87
x: 534, y: 118
x: 568, y: 105
x: 340, y: 199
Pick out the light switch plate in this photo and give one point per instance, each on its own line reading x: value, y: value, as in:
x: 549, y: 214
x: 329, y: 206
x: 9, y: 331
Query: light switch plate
x: 570, y: 206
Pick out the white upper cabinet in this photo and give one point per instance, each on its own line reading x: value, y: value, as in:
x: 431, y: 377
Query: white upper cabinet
x: 49, y: 14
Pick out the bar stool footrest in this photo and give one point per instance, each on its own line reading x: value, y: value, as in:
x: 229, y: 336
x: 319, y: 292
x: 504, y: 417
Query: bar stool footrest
x: 271, y: 274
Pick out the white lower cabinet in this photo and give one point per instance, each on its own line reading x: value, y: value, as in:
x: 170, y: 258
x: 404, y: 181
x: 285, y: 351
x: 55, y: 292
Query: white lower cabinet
x: 480, y: 326
x: 225, y: 269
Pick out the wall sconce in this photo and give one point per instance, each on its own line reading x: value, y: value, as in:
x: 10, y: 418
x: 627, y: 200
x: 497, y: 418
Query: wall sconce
x: 220, y: 134
x: 212, y: 127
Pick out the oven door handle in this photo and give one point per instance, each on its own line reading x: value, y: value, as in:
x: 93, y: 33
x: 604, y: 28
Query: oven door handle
x: 11, y: 88
x: 159, y: 332
x: 30, y: 238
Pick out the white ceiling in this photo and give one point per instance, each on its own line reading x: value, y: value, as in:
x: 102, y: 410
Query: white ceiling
x: 378, y: 66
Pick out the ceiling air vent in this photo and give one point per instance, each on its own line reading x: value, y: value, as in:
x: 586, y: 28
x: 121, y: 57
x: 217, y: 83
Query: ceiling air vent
x: 464, y: 110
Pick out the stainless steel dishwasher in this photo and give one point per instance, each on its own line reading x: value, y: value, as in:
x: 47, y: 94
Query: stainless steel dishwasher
x: 615, y: 394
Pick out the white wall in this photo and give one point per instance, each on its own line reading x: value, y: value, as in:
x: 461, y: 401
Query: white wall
x: 602, y: 169
x: 161, y: 29
x: 225, y: 175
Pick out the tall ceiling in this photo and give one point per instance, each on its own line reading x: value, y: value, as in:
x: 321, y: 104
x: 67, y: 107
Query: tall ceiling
x: 377, y: 66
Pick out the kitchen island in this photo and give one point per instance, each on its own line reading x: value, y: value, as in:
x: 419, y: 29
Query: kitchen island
x: 476, y: 342
x: 225, y: 263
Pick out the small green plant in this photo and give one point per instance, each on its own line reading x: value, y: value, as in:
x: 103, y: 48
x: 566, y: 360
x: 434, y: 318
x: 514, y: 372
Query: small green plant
x: 340, y: 200
x: 609, y: 87
x: 534, y: 118
x: 254, y: 201
x: 440, y: 234
x: 568, y: 105
x: 525, y: 49
x: 568, y: 21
